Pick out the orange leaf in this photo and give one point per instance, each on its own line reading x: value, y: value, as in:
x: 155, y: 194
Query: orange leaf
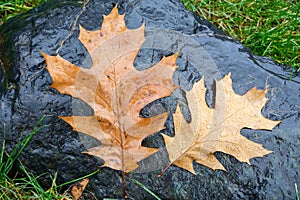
x: 116, y: 91
x: 218, y: 129
x: 78, y: 188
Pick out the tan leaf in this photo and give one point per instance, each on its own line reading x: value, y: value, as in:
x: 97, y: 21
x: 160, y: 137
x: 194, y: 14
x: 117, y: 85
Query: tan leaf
x: 218, y: 129
x: 78, y: 188
x: 116, y: 91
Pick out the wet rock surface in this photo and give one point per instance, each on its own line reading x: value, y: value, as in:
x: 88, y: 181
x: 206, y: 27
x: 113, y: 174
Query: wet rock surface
x: 26, y: 96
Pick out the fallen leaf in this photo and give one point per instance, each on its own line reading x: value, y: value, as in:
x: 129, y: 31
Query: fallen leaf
x: 116, y: 91
x: 217, y: 129
x: 78, y: 188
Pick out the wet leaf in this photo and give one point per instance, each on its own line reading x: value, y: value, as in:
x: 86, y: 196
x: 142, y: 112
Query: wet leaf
x: 116, y: 91
x: 218, y: 129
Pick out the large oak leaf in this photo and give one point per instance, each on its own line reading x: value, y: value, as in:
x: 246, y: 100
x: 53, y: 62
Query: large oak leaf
x: 217, y: 129
x: 115, y: 90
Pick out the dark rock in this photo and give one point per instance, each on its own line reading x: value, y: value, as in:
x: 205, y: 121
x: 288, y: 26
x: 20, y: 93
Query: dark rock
x: 26, y: 96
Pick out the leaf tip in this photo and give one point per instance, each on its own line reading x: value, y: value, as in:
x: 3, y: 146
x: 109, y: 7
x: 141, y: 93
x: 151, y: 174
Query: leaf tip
x: 266, y: 152
x: 46, y: 57
x: 81, y: 31
x: 114, y: 15
x: 221, y: 168
x: 43, y: 53
x: 170, y: 61
x: 114, y: 11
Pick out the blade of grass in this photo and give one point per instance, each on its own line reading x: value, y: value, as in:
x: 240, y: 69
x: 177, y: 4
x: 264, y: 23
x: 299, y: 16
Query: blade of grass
x: 29, y: 187
x: 145, y: 188
x: 36, y: 190
x: 78, y: 179
x: 20, y: 147
x: 2, y: 150
x: 9, y: 188
x: 9, y: 191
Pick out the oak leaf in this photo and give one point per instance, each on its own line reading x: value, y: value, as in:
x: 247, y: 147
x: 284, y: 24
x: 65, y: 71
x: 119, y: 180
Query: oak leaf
x: 217, y: 129
x: 116, y: 91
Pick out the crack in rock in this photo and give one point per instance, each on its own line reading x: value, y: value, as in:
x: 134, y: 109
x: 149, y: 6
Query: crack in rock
x: 61, y: 43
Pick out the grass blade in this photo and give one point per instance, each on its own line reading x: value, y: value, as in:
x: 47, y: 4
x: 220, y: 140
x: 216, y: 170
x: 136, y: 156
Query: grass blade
x: 20, y: 147
x: 78, y: 179
x: 145, y: 188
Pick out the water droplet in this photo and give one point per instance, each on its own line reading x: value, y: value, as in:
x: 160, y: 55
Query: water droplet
x: 224, y: 134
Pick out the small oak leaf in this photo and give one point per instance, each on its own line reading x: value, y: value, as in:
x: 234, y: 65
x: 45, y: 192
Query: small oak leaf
x: 116, y: 91
x: 218, y: 129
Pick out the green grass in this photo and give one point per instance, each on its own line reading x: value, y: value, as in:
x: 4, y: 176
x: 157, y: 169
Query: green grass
x: 26, y: 187
x: 269, y: 28
x: 145, y: 188
x: 10, y: 8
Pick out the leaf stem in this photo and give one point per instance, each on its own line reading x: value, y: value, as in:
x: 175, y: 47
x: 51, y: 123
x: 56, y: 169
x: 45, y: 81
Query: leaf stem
x: 164, y: 170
